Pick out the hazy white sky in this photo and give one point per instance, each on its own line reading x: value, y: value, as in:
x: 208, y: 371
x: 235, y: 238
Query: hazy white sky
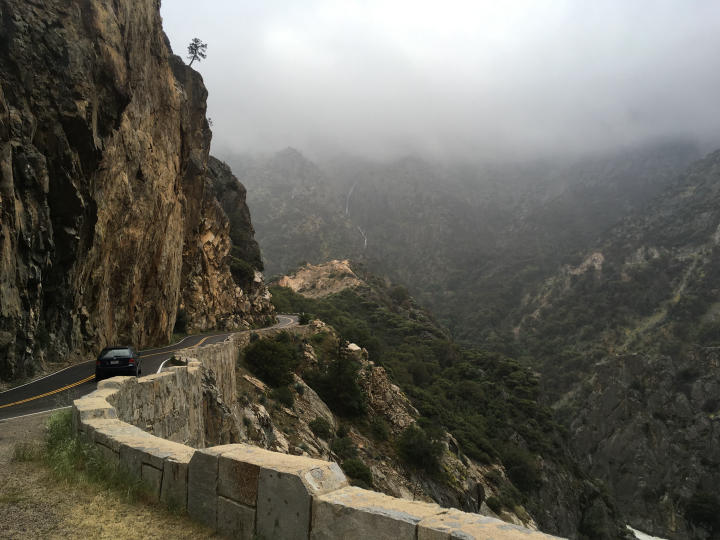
x: 469, y: 77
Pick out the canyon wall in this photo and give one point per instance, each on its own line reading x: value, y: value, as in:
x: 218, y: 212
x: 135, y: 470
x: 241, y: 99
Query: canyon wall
x: 108, y: 223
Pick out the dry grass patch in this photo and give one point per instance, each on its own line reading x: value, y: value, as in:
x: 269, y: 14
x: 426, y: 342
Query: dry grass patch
x: 39, y: 501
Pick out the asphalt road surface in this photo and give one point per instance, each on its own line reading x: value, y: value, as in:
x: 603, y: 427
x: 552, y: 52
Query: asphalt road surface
x: 61, y: 388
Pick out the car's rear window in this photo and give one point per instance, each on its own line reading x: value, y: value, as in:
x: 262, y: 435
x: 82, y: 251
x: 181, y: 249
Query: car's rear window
x: 116, y: 353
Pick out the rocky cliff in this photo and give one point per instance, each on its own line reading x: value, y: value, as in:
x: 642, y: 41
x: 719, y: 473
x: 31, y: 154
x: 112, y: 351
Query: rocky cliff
x: 107, y: 224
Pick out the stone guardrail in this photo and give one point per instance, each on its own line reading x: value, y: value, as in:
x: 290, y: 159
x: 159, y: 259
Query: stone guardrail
x: 250, y: 493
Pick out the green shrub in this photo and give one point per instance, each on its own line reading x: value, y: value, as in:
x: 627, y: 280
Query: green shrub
x: 522, y: 468
x: 494, y: 504
x: 344, y: 448
x: 418, y: 450
x: 273, y: 361
x: 242, y: 272
x: 284, y: 395
x: 359, y: 472
x: 337, y: 385
x: 73, y: 459
x: 321, y: 428
x: 509, y: 496
x: 399, y: 294
x: 304, y: 318
x: 494, y: 477
x: 380, y: 429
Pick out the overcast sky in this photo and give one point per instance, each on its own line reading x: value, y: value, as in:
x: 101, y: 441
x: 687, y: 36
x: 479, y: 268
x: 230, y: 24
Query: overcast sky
x: 469, y: 77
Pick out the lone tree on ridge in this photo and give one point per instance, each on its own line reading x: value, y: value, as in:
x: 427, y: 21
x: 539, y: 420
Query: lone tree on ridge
x: 196, y: 50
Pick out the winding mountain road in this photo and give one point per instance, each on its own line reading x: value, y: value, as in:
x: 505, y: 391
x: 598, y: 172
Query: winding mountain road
x: 59, y: 389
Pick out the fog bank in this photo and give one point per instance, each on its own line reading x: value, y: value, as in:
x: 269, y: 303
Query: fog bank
x: 462, y: 78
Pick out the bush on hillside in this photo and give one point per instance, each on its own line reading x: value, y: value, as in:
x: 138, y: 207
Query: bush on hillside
x: 273, y: 361
x: 242, y: 272
x: 358, y: 472
x: 321, y: 428
x: 337, y: 385
x: 522, y: 469
x: 284, y: 395
x: 344, y: 447
x: 418, y: 450
x: 380, y: 429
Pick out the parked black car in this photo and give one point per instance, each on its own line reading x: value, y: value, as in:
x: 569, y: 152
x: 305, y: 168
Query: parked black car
x: 117, y: 361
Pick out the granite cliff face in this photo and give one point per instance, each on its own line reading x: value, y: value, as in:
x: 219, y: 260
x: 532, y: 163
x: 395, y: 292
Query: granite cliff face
x: 107, y: 223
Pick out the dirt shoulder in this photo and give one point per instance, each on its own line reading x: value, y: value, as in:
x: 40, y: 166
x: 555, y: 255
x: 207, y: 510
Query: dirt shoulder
x: 34, y: 504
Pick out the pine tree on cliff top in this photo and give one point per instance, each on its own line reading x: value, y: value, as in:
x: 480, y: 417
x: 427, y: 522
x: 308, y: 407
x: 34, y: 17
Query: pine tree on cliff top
x: 196, y: 50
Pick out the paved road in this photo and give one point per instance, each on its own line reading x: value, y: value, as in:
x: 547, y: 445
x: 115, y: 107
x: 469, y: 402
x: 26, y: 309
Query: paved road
x: 61, y: 388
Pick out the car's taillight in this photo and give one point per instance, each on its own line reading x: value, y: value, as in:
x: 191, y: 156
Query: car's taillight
x: 97, y: 363
x: 132, y: 360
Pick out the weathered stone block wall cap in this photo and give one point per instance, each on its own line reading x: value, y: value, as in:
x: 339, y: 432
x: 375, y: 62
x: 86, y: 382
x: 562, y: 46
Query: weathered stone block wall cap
x: 91, y: 407
x: 317, y: 475
x: 372, y: 501
x: 114, y: 383
x: 103, y: 393
x: 457, y: 525
x: 352, y: 514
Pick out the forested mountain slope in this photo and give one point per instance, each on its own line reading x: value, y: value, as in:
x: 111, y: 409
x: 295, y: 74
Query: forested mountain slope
x: 628, y: 342
x: 467, y: 240
x: 488, y: 401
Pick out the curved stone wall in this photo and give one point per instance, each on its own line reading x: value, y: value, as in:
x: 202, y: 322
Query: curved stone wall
x: 241, y: 490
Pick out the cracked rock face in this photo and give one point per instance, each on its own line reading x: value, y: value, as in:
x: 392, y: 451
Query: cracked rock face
x: 105, y: 212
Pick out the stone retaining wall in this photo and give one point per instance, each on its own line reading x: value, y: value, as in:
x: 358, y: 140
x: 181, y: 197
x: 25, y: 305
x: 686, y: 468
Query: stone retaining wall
x: 170, y: 404
x: 244, y: 491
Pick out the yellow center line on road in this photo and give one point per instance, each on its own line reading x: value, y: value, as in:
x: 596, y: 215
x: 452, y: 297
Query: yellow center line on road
x: 180, y: 349
x: 86, y: 379
x: 50, y: 393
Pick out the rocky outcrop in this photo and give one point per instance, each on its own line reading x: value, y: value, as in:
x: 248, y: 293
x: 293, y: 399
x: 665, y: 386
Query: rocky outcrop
x: 318, y: 281
x: 107, y: 224
x: 384, y: 399
x: 231, y: 195
x: 221, y: 241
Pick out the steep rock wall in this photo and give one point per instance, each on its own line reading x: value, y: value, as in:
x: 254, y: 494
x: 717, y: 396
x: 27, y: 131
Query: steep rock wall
x: 105, y: 214
x: 222, y: 233
x: 181, y: 403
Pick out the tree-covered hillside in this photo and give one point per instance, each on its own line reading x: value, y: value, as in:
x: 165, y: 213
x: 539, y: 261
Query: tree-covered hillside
x: 487, y: 400
x: 627, y: 342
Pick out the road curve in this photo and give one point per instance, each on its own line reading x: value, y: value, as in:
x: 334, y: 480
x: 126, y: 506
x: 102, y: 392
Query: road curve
x: 59, y: 389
